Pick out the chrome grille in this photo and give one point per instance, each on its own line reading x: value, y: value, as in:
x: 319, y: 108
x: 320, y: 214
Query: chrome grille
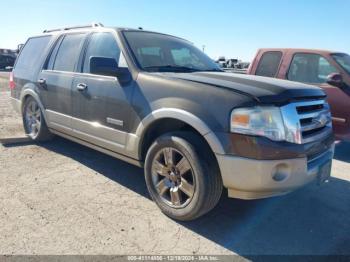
x: 307, y: 121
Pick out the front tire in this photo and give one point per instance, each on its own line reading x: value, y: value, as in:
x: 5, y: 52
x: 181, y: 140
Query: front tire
x: 33, y: 121
x: 182, y: 179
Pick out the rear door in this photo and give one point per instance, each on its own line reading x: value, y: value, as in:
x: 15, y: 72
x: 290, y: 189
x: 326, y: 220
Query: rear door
x: 313, y: 69
x: 101, y: 103
x: 56, y: 80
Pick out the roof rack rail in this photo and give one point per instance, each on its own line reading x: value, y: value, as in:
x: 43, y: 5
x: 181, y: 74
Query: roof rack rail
x: 74, y: 27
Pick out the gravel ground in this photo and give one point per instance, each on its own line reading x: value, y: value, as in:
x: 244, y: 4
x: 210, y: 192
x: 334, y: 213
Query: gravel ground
x: 63, y: 198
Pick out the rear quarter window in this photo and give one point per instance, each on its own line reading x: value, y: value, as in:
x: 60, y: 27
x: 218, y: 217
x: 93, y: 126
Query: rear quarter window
x: 32, y: 52
x: 32, y: 55
x: 269, y: 64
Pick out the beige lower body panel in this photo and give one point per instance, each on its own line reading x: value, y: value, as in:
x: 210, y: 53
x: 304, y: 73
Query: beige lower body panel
x: 107, y: 137
x: 98, y: 148
x: 58, y: 121
x: 253, y: 179
x: 93, y: 133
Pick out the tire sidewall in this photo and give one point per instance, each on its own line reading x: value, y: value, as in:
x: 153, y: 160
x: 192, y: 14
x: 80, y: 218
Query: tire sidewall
x: 26, y: 103
x: 188, y: 151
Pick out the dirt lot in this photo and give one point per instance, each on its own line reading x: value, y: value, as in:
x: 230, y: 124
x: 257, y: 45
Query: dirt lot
x: 62, y: 198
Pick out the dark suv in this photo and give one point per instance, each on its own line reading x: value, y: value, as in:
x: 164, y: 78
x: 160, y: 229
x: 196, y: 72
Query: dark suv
x: 156, y: 101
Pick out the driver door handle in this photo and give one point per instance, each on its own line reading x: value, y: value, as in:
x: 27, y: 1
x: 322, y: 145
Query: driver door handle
x: 81, y: 86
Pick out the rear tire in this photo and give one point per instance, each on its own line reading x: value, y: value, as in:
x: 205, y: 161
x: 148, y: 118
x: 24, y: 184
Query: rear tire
x: 191, y: 184
x: 33, y: 121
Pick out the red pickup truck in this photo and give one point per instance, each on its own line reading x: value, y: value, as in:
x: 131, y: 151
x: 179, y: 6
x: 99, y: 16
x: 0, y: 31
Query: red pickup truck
x: 326, y: 69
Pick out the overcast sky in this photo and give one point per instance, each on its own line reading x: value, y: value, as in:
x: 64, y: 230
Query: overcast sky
x: 226, y: 27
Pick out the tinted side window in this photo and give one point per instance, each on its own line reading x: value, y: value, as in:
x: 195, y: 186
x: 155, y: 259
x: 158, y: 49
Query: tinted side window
x: 53, y: 54
x: 310, y: 68
x: 269, y: 64
x: 68, y: 52
x: 101, y: 45
x: 32, y: 52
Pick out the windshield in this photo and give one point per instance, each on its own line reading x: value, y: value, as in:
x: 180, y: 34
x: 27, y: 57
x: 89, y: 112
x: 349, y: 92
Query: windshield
x: 162, y: 53
x: 343, y: 60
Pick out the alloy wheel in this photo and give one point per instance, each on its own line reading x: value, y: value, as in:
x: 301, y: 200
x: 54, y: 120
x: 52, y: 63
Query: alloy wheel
x: 32, y: 119
x: 173, y: 177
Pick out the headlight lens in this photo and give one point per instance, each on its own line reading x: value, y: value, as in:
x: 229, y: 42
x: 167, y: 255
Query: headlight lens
x: 259, y: 121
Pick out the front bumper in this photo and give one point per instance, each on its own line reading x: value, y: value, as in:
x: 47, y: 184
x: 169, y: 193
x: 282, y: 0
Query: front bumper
x: 253, y: 179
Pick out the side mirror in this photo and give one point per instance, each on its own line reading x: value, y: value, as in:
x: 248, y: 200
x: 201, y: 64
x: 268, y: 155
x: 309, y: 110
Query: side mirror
x: 109, y: 67
x: 19, y: 48
x: 103, y: 66
x: 335, y: 79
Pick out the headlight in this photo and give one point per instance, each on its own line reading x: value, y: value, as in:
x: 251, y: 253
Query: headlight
x: 259, y: 121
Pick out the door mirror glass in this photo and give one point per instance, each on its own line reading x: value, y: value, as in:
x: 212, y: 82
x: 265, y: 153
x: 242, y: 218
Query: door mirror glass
x: 335, y: 79
x: 104, y: 66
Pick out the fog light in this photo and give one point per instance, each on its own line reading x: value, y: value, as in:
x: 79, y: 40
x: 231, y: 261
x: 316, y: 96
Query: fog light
x: 280, y: 172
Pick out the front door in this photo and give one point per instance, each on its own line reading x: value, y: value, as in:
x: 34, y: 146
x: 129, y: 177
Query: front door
x: 314, y: 69
x: 340, y: 107
x: 101, y: 105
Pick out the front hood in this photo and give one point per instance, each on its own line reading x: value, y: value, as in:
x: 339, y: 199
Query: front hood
x: 262, y: 89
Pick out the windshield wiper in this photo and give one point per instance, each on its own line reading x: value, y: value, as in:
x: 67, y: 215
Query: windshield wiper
x: 171, y: 68
x: 213, y: 70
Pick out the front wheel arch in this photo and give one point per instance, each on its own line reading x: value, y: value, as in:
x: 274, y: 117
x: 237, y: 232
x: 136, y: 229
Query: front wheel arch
x: 160, y: 116
x: 168, y: 125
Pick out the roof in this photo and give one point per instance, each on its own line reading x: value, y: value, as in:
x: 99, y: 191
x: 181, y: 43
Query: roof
x: 299, y: 50
x: 97, y: 26
x: 91, y: 26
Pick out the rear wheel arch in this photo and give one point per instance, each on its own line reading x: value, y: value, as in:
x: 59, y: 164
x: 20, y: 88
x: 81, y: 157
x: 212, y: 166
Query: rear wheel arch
x: 33, y: 119
x: 25, y: 94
